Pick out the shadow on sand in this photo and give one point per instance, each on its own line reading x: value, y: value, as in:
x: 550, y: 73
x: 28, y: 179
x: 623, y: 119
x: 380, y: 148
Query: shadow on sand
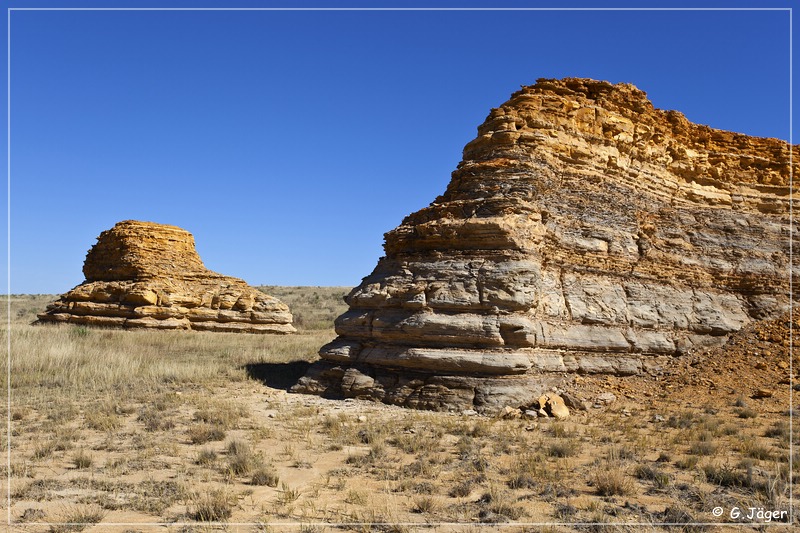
x: 278, y: 375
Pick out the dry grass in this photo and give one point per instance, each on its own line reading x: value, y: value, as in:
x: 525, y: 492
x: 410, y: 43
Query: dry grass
x: 214, y: 506
x: 82, y: 459
x: 176, y: 426
x: 265, y: 475
x: 52, y: 360
x: 313, y: 308
x: 610, y: 479
x: 203, y: 433
x: 78, y: 518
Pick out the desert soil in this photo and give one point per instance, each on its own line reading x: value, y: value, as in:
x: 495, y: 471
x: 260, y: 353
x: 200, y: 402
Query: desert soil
x: 118, y: 431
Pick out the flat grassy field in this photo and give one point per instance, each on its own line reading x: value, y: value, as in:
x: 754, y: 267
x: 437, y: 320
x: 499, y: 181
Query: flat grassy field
x: 134, y: 431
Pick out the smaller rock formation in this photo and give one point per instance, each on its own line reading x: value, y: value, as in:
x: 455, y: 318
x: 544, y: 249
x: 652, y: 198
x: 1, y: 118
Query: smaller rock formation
x: 147, y: 275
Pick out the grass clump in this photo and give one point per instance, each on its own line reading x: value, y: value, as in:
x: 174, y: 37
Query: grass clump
x: 611, y: 480
x: 414, y: 443
x: 102, y: 420
x: 746, y: 412
x: 522, y: 481
x: 206, y: 457
x: 659, y: 478
x: 564, y: 448
x: 684, y: 420
x: 81, y: 459
x: 214, y: 506
x: 241, y: 459
x: 155, y: 419
x: 203, y: 433
x: 497, y: 502
x: 154, y: 497
x: 376, y: 453
x: 754, y: 450
x: 288, y: 495
x: 703, y: 448
x: 224, y: 415
x: 44, y: 450
x: 688, y: 462
x: 425, y: 504
x: 621, y: 453
x: 779, y: 430
x: 459, y: 490
x: 726, y: 476
x: 265, y: 476
x: 78, y: 519
x: 356, y: 497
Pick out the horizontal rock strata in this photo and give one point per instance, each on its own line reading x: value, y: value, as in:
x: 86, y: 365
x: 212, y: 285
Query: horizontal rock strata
x: 147, y: 275
x: 583, y: 231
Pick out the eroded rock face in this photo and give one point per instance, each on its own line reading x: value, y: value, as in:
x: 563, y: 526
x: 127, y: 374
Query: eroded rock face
x: 584, y: 231
x: 147, y: 275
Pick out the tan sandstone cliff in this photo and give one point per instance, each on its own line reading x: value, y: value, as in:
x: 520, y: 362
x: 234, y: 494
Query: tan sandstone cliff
x: 147, y: 275
x: 583, y: 231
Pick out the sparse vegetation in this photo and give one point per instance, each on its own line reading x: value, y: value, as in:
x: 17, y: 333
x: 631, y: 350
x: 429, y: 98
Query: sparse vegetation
x: 82, y: 459
x: 727, y: 476
x: 611, y: 480
x: 241, y: 459
x: 265, y: 475
x: 746, y: 412
x: 461, y: 489
x: 195, y: 427
x: 203, y: 433
x: 78, y: 518
x: 425, y: 504
x: 313, y: 308
x: 206, y: 457
x: 660, y: 479
x: 214, y: 506
x: 563, y: 448
x: 287, y: 494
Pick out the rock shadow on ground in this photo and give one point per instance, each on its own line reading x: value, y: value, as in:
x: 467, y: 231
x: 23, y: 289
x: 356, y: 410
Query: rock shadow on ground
x: 277, y: 375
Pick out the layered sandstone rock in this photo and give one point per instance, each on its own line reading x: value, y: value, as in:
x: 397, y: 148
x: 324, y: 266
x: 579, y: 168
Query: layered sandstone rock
x: 584, y: 231
x: 146, y: 275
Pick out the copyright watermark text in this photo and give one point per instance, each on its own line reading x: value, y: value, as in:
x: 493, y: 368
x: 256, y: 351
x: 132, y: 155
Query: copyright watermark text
x: 752, y: 514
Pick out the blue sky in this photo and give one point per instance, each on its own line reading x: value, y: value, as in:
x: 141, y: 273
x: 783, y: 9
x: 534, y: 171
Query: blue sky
x: 288, y: 142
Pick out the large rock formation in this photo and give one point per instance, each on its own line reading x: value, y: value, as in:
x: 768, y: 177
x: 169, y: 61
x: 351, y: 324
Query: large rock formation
x: 584, y: 231
x: 146, y: 275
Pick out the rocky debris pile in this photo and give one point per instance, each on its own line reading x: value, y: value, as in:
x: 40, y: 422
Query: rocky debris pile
x: 751, y: 370
x: 147, y: 275
x: 755, y: 362
x: 584, y: 231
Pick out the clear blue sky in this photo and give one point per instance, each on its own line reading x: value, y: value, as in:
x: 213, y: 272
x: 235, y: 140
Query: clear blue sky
x: 289, y: 142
